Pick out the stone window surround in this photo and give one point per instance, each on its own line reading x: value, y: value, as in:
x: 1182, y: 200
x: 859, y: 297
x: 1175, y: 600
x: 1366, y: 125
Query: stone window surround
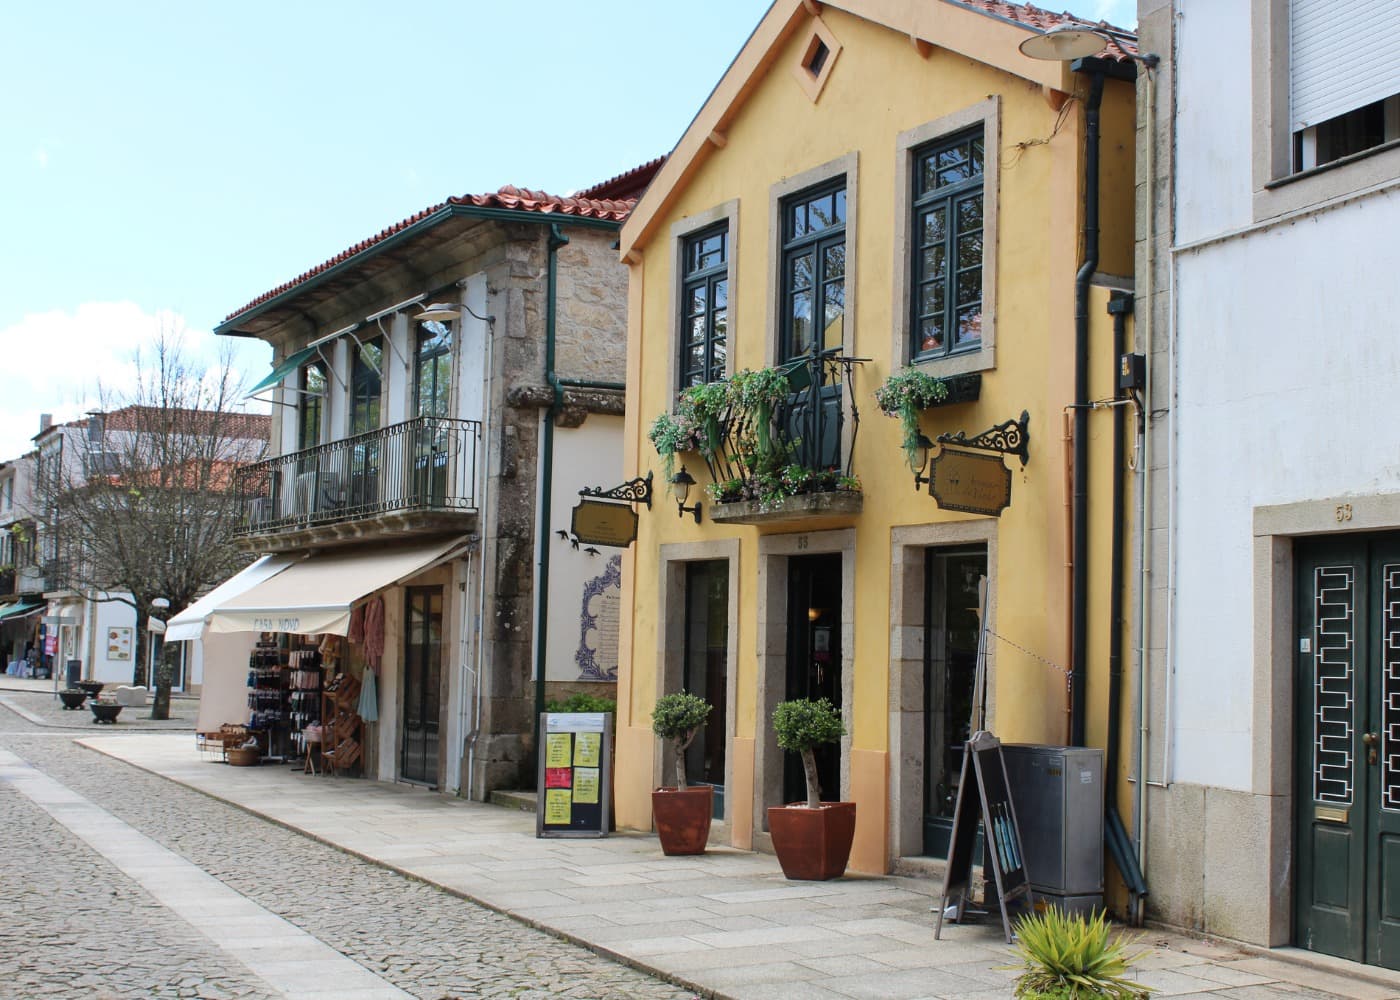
x: 1277, y: 189
x: 728, y: 213
x: 908, y: 545
x: 988, y: 113
x: 811, y: 83
x: 670, y: 639
x: 1271, y: 775
x: 774, y: 551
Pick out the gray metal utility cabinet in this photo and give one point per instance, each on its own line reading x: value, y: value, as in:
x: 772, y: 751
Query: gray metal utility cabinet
x: 1058, y: 794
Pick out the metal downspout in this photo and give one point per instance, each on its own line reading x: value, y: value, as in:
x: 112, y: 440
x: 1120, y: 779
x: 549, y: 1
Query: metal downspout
x: 554, y: 241
x: 1080, y: 590
x: 1120, y: 306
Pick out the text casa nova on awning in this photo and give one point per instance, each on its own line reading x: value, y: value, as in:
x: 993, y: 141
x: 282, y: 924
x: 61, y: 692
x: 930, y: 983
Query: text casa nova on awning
x: 314, y: 596
x: 189, y: 623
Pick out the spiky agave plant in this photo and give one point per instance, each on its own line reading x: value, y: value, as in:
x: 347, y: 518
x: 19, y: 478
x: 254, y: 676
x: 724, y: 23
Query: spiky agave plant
x: 1066, y: 957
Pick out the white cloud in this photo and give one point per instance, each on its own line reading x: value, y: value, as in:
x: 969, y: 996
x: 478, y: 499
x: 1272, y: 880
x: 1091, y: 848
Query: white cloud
x: 41, y: 157
x: 55, y: 362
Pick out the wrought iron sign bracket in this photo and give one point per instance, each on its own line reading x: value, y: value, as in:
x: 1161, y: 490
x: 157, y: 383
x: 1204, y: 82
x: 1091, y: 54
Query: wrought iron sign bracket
x: 1009, y: 437
x: 633, y: 491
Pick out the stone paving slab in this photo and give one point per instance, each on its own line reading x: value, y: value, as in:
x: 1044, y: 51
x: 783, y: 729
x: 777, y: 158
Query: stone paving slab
x: 763, y: 936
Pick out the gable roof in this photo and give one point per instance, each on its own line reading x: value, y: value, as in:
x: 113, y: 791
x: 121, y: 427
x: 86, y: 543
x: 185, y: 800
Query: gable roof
x: 987, y: 31
x: 508, y: 198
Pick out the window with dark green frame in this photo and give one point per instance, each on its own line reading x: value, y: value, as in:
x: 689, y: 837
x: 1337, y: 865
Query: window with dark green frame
x: 366, y: 383
x: 432, y: 369
x: 948, y: 240
x: 814, y: 270
x: 311, y: 405
x: 704, y: 320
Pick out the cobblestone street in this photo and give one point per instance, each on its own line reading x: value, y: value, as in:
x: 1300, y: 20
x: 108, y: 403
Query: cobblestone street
x: 77, y: 926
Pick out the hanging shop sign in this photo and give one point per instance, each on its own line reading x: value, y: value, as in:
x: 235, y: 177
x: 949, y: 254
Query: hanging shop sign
x: 597, y: 522
x: 969, y: 481
x: 575, y: 764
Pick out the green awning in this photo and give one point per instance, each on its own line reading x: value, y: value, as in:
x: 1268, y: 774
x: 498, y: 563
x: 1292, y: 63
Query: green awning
x: 18, y: 611
x: 284, y: 369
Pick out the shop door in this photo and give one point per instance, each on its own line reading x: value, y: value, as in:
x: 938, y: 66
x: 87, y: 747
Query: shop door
x: 950, y: 664
x: 705, y: 669
x: 422, y: 677
x: 814, y: 661
x: 1348, y: 748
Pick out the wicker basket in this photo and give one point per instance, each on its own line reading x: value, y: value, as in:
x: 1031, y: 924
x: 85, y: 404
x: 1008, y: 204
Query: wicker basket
x: 243, y: 756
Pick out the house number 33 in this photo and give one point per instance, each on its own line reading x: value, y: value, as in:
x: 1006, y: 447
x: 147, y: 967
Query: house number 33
x: 1343, y: 512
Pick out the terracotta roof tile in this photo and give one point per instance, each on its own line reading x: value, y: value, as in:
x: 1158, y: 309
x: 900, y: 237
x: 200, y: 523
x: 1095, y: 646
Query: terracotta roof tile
x: 1121, y: 47
x: 628, y: 185
x: 581, y: 206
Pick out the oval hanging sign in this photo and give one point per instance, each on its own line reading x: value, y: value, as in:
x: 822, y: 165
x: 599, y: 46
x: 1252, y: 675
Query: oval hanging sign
x: 970, y: 482
x: 597, y: 522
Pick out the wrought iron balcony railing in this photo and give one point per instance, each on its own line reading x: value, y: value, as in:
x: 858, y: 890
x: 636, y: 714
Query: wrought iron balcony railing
x: 426, y: 464
x: 807, y: 428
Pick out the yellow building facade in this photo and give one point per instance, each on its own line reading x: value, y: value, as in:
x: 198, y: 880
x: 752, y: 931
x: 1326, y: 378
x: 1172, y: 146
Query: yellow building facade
x: 874, y: 185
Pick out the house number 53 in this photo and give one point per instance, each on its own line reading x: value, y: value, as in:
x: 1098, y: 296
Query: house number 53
x: 1343, y: 512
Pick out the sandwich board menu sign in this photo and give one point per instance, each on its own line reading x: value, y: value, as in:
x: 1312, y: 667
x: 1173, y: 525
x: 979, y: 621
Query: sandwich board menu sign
x: 983, y: 794
x: 575, y: 764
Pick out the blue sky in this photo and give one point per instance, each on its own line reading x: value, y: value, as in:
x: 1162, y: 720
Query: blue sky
x: 162, y: 163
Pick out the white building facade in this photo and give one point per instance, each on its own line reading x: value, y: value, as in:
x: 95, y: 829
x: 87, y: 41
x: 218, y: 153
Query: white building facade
x: 1269, y: 198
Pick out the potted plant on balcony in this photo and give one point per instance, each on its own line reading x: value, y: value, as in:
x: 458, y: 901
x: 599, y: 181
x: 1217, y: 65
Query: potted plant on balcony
x: 812, y: 839
x: 903, y: 395
x: 681, y: 814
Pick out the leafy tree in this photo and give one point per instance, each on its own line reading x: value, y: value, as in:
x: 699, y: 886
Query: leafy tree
x: 137, y: 503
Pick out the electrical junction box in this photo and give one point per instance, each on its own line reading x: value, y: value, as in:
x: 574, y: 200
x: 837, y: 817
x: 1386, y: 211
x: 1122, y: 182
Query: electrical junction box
x: 1132, y: 371
x: 1058, y: 796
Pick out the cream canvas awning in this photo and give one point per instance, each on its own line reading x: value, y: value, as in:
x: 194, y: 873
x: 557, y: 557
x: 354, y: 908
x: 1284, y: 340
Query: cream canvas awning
x: 315, y: 595
x: 189, y: 624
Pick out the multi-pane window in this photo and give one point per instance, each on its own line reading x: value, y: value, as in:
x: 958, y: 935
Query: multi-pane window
x: 704, y: 306
x: 814, y: 270
x: 947, y: 264
x: 432, y: 369
x: 311, y: 405
x: 365, y: 386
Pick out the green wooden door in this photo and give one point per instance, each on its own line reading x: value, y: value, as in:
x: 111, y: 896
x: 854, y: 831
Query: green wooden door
x: 1347, y: 610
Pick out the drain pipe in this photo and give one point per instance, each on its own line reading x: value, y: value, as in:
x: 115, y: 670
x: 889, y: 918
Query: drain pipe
x: 1079, y: 599
x: 553, y: 242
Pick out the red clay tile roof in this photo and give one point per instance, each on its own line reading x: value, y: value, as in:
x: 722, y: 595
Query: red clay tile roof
x: 584, y: 205
x: 628, y: 185
x: 1121, y: 47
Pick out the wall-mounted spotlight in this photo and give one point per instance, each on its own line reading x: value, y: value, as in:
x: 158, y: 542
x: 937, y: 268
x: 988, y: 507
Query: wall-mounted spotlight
x: 439, y: 312
x: 920, y: 463
x: 681, y: 483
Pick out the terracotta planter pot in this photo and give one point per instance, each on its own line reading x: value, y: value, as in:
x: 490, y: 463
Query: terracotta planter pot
x: 683, y: 818
x: 813, y: 844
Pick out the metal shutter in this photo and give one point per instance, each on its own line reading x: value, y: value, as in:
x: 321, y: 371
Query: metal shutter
x: 1344, y: 55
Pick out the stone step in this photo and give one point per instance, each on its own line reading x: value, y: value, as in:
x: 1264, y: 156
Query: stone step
x: 524, y: 801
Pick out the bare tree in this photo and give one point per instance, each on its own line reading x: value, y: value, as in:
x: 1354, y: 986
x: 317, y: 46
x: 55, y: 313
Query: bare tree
x: 137, y: 503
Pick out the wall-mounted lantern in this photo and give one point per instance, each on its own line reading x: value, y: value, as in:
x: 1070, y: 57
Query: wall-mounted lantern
x: 681, y: 483
x: 920, y: 462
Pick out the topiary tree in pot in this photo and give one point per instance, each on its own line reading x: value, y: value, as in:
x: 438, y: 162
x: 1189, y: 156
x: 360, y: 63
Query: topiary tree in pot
x: 812, y: 839
x: 681, y: 814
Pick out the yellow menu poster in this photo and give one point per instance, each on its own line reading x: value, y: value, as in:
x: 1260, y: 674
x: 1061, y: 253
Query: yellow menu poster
x: 586, y: 749
x: 586, y: 785
x: 556, y: 752
x: 558, y: 807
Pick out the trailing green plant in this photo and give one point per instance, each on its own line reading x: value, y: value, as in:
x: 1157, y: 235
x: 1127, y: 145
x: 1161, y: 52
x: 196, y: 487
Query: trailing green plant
x: 1066, y: 957
x: 677, y: 717
x: 903, y: 395
x: 802, y: 725
x: 754, y: 393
